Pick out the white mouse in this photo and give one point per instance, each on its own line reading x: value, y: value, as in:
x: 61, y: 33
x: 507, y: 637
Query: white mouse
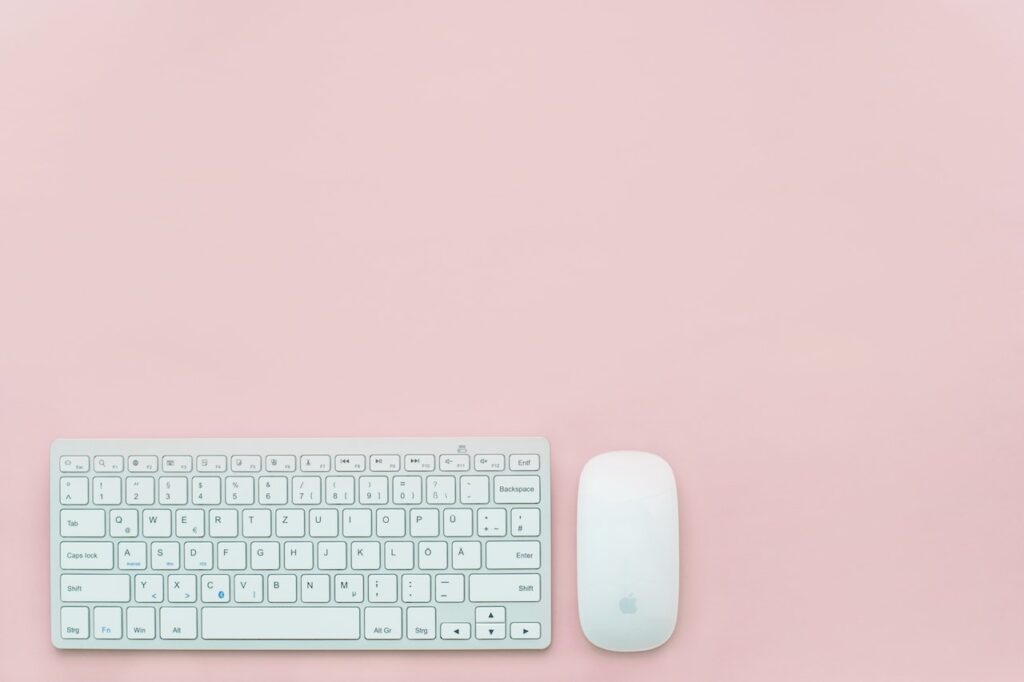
x: 627, y: 551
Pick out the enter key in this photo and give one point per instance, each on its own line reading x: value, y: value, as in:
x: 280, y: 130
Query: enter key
x: 501, y: 554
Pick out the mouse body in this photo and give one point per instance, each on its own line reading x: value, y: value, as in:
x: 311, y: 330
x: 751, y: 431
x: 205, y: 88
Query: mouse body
x: 627, y: 551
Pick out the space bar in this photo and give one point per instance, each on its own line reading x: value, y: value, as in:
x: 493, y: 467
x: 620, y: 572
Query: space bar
x: 289, y: 622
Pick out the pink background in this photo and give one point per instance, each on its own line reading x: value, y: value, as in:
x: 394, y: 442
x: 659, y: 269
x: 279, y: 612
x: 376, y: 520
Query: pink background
x: 780, y: 243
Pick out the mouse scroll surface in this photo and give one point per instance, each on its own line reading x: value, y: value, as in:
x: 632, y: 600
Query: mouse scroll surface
x: 628, y: 551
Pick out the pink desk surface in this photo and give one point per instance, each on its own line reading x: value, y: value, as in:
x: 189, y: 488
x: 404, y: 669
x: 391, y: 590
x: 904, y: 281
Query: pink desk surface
x: 782, y: 244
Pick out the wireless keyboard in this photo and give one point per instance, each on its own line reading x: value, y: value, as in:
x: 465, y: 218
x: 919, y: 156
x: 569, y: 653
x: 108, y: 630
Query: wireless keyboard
x: 306, y: 543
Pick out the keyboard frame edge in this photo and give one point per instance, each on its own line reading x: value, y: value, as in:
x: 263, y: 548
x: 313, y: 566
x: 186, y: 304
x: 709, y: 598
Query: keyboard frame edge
x: 322, y: 445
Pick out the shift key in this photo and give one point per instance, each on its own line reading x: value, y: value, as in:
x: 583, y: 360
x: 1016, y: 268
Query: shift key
x: 94, y: 588
x: 499, y: 587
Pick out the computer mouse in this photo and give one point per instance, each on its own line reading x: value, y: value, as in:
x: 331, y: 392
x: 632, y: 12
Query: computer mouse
x: 627, y: 551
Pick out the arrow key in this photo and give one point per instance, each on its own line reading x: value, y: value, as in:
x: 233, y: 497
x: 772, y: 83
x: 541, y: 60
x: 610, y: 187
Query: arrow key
x: 455, y: 630
x: 490, y: 614
x: 490, y: 631
x: 524, y: 630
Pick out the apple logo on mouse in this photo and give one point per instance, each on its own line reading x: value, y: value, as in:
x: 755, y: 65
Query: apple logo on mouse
x: 628, y: 604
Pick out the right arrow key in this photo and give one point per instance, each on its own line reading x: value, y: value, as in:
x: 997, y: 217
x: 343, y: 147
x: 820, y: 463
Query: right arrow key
x: 524, y: 630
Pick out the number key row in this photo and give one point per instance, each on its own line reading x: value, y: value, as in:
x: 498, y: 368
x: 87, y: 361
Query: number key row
x: 311, y: 490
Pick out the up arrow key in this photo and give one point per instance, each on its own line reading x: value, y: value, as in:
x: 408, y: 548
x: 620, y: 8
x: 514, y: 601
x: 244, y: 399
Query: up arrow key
x: 490, y: 614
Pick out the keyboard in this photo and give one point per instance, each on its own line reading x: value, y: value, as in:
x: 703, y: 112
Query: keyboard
x: 300, y: 543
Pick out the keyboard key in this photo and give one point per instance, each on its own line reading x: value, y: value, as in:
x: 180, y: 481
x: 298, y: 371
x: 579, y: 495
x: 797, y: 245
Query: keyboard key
x: 273, y: 490
x: 182, y: 588
x: 74, y: 490
x: 149, y: 588
x: 156, y: 523
x: 474, y: 489
x: 131, y: 556
x: 189, y: 523
x: 383, y: 622
x: 248, y: 588
x: 178, y: 622
x: 94, y: 588
x: 323, y: 523
x: 140, y: 490
x: 340, y: 490
x: 458, y: 523
x: 440, y: 490
x: 466, y: 555
x: 282, y: 588
x: 373, y: 489
x: 385, y: 463
x: 74, y: 622
x: 173, y: 490
x: 176, y: 464
x: 316, y: 589
x: 398, y: 556
x: 516, y: 489
x: 524, y: 630
x: 141, y: 622
x: 407, y: 489
x: 206, y: 490
x: 382, y: 587
x: 526, y: 522
x: 432, y: 556
x: 124, y: 523
x: 515, y: 555
x: 524, y: 463
x: 82, y: 523
x: 454, y: 463
x: 79, y: 556
x: 490, y: 522
x: 489, y: 462
x: 330, y: 556
x: 198, y: 556
x: 108, y: 464
x: 239, y: 489
x: 317, y: 463
x: 449, y: 588
x: 106, y: 622
x: 280, y: 463
x: 504, y: 587
x: 246, y: 463
x: 348, y: 588
x: 215, y: 588
x: 143, y: 464
x: 350, y: 463
x: 490, y: 631
x: 419, y: 462
x: 294, y: 622
x: 165, y: 556
x: 209, y: 464
x: 223, y: 523
x: 416, y: 588
x: 490, y: 614
x: 420, y: 622
x: 106, y: 490
x: 231, y: 556
x: 305, y: 490
x: 356, y: 523
x: 424, y: 523
x: 74, y: 464
x: 455, y: 630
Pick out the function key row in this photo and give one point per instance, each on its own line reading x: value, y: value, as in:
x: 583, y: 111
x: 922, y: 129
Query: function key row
x: 288, y: 463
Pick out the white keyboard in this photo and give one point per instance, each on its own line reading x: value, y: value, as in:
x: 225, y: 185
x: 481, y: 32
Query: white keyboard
x: 305, y: 543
